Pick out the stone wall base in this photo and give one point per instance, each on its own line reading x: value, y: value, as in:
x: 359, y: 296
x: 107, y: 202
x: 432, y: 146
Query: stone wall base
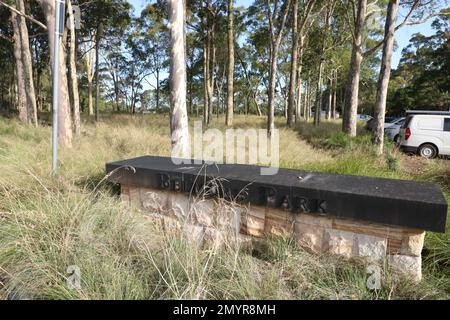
x: 211, y: 221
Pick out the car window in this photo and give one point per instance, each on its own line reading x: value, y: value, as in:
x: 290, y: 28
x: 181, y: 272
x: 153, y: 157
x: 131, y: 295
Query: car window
x: 430, y: 123
x: 400, y: 122
x: 389, y: 119
x: 447, y: 124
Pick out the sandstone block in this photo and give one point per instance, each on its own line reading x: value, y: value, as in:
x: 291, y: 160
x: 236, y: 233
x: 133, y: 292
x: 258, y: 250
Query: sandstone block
x: 154, y: 200
x: 408, y: 266
x: 412, y: 244
x: 279, y: 222
x: 339, y: 242
x: 125, y: 194
x: 309, y: 236
x: 370, y: 247
x: 228, y: 217
x: 252, y: 221
x: 125, y: 198
x: 204, y: 211
x: 135, y: 197
x: 314, y: 219
x: 179, y: 206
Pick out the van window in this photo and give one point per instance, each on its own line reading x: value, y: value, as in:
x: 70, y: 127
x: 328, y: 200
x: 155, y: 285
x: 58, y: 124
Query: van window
x: 447, y: 124
x: 407, y: 121
x: 430, y: 123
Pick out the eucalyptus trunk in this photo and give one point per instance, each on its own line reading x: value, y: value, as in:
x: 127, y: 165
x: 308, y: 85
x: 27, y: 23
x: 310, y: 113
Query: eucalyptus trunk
x: 205, y: 82
x: 318, y: 102
x: 64, y: 119
x: 275, y: 40
x: 272, y: 84
x: 89, y: 60
x: 211, y: 65
x: 333, y: 107
x: 21, y: 102
x: 73, y: 71
x: 97, y: 72
x: 299, y: 82
x: 351, y: 108
x: 305, y: 103
x: 294, y: 62
x: 385, y: 73
x: 230, y: 74
x: 330, y: 98
x: 179, y: 118
x: 24, y: 67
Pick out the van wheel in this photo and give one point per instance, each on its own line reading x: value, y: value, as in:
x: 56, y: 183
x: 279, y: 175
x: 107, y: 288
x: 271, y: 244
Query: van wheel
x: 428, y: 151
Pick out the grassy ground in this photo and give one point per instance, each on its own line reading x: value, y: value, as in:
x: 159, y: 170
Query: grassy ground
x: 49, y: 224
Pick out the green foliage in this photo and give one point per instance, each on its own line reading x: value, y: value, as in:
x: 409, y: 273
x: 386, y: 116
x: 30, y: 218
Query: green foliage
x: 392, y: 161
x: 422, y: 79
x: 338, y: 140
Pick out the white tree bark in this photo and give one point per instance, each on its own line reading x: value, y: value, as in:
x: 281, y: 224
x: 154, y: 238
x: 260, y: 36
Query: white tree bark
x: 275, y: 40
x: 26, y: 93
x: 89, y: 58
x: 179, y: 118
x: 351, y: 109
x: 73, y: 71
x: 64, y: 120
x: 230, y: 74
x: 385, y: 73
x: 318, y: 101
x: 294, y: 58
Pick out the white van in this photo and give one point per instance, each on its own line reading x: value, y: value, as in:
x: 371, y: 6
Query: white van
x: 426, y: 133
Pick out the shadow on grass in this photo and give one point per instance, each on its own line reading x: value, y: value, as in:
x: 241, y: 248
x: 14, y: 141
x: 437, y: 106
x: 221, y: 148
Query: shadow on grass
x: 98, y: 182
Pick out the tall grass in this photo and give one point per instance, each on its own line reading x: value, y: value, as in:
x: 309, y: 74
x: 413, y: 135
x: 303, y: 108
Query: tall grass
x: 47, y: 225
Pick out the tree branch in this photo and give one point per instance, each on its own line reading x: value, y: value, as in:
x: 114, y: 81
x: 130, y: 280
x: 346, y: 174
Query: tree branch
x: 24, y: 15
x: 406, y: 23
x: 2, y: 36
x: 350, y: 24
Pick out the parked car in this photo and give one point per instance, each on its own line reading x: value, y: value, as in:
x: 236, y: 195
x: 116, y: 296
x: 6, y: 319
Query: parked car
x: 392, y: 129
x: 363, y: 117
x: 426, y: 133
x: 370, y: 125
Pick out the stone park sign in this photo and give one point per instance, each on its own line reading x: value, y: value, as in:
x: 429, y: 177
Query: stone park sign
x: 379, y: 220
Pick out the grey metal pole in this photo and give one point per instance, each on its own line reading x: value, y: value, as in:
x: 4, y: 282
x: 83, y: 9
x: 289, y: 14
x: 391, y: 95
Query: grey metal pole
x: 59, y: 28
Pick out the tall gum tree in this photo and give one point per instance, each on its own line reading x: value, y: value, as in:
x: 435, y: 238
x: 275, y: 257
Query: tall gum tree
x: 20, y: 77
x: 277, y: 14
x: 64, y: 119
x: 417, y: 12
x: 73, y: 70
x: 351, y: 109
x: 298, y: 24
x: 24, y: 70
x: 230, y: 71
x: 385, y: 72
x: 179, y: 119
x: 324, y: 47
x: 89, y: 59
